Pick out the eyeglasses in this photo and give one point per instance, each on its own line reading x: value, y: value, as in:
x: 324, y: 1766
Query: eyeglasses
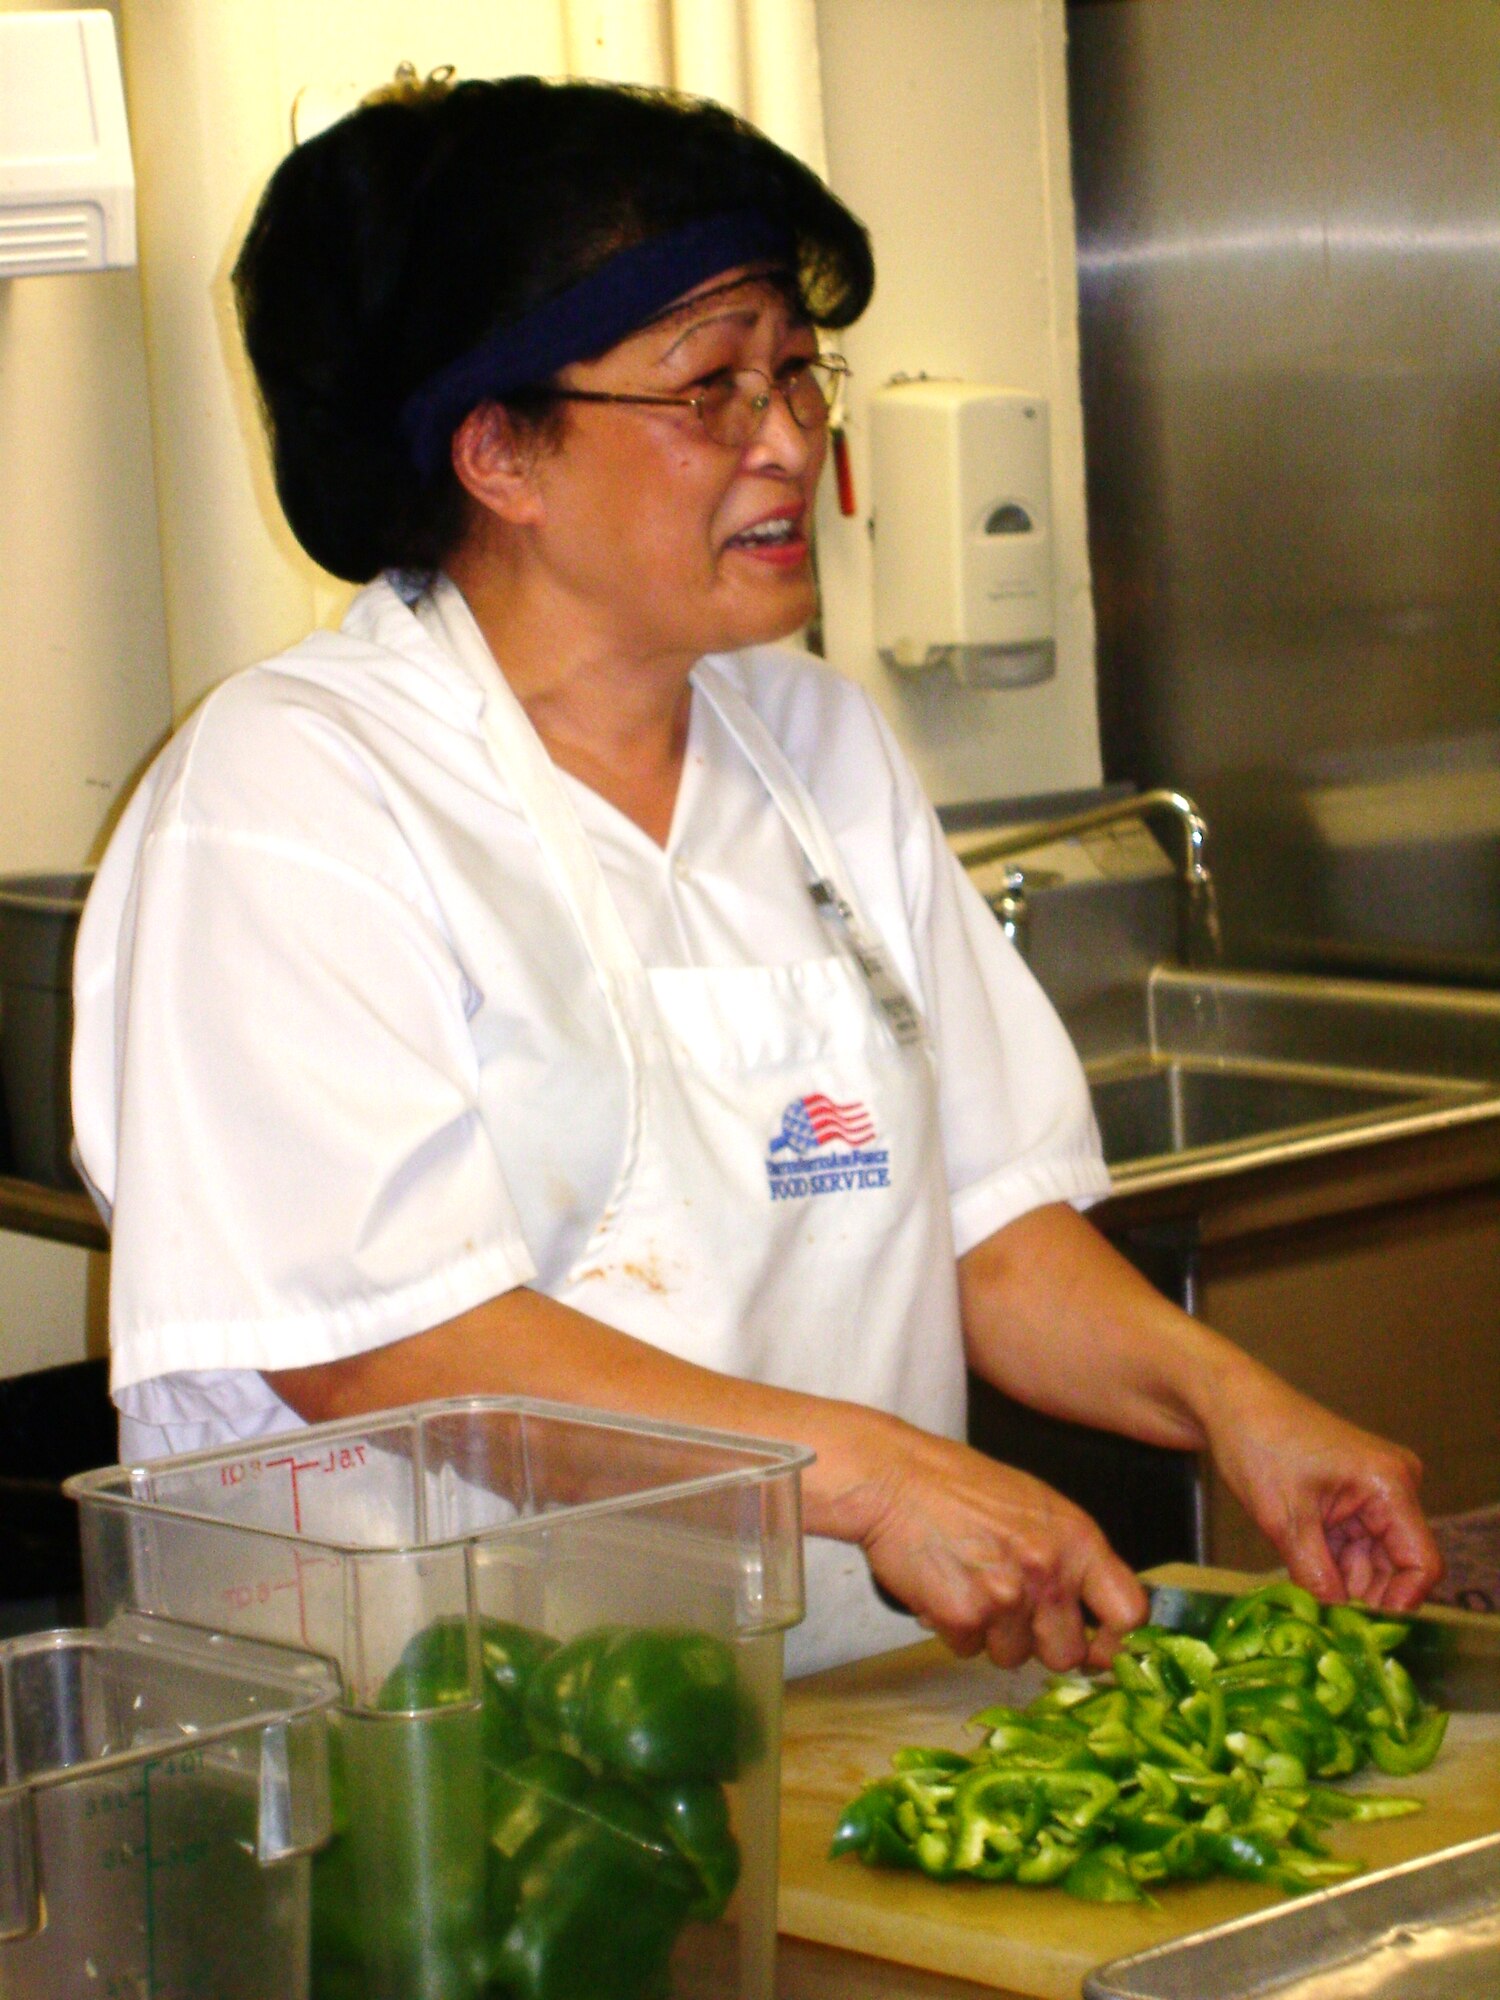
x: 733, y: 406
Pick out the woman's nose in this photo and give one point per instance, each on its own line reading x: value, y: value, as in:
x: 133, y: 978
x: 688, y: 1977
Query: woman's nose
x: 780, y: 443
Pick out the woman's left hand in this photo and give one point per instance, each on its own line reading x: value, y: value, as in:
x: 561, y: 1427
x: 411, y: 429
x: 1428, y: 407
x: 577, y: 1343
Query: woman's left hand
x: 1057, y: 1318
x: 1339, y: 1503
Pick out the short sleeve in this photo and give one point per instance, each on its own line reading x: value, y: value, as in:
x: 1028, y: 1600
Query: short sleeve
x: 302, y: 1171
x: 1018, y: 1125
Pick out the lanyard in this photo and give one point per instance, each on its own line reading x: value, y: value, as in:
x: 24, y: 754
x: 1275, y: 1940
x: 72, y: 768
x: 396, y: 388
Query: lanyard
x: 831, y: 898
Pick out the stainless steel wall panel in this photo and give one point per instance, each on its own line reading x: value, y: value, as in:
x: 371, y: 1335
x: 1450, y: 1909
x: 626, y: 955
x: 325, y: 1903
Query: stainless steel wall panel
x: 1289, y: 250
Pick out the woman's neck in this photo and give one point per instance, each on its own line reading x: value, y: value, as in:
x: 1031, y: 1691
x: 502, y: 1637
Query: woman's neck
x: 617, y: 724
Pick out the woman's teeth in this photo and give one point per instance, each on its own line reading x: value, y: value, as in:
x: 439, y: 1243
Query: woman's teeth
x: 767, y: 531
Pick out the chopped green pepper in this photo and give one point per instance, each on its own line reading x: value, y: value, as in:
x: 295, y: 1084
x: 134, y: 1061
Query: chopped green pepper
x: 869, y: 1828
x: 1103, y: 1876
x: 1191, y: 1756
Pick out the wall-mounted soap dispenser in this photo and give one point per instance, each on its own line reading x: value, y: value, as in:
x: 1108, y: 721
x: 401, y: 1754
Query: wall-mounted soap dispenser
x: 961, y: 478
x: 67, y: 187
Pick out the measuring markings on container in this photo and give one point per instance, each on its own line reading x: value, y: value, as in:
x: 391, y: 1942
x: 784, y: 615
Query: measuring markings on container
x: 263, y: 1591
x: 338, y: 1458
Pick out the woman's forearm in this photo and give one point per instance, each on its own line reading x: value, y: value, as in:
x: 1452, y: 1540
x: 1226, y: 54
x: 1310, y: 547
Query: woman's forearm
x: 523, y: 1343
x: 1057, y: 1318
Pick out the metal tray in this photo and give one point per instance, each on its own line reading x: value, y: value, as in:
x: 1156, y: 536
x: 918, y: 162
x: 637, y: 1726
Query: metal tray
x: 1428, y: 1930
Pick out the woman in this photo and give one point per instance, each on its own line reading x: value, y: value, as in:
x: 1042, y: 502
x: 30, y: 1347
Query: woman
x: 550, y: 983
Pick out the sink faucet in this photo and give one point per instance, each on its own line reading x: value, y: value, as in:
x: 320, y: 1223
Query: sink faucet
x: 1198, y: 916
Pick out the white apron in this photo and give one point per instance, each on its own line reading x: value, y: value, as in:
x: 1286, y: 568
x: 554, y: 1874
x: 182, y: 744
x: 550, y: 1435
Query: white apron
x: 781, y: 1211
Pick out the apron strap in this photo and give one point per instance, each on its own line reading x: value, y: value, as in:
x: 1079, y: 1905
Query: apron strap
x: 522, y: 757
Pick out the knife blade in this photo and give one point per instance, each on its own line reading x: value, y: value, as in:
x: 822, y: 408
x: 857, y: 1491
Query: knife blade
x: 1452, y: 1656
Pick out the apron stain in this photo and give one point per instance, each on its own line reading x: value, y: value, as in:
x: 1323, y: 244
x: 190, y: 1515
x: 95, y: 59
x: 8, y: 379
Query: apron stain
x: 646, y: 1272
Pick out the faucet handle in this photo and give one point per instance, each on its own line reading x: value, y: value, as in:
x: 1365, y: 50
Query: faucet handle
x: 1010, y: 905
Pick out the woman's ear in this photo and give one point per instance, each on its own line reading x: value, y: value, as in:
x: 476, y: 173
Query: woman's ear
x: 495, y: 464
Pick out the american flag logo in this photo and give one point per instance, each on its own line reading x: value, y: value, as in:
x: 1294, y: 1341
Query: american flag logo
x: 813, y: 1121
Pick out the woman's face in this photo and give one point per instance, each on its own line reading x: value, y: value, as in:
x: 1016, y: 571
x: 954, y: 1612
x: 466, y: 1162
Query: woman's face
x: 671, y: 544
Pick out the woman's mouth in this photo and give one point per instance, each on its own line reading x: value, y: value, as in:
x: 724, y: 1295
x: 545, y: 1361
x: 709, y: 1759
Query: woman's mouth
x: 779, y: 541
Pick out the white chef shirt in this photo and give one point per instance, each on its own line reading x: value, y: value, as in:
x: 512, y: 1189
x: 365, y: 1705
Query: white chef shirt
x: 341, y: 1066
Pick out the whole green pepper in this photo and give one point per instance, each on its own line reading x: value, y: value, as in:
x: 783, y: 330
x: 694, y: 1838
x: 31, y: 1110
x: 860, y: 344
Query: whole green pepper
x: 433, y: 1672
x: 600, y: 1897
x: 656, y: 1703
x: 695, y: 1814
x: 535, y: 1791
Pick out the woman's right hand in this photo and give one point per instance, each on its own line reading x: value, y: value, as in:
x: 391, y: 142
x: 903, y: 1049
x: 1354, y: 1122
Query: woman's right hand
x: 989, y: 1558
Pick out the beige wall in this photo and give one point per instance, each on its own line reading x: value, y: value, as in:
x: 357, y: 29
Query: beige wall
x: 947, y: 125
x: 83, y: 670
x: 211, y: 86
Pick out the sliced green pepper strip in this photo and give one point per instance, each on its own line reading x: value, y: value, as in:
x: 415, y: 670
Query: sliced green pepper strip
x: 1027, y: 1749
x: 1074, y: 1798
x: 1400, y: 1691
x: 1324, y: 1804
x: 1204, y: 1710
x: 1132, y: 1675
x: 1247, y: 1676
x: 1048, y: 1860
x: 1364, y: 1630
x: 1065, y: 1694
x: 1283, y: 1772
x: 1398, y: 1758
x: 1249, y: 1856
x: 1302, y: 1873
x: 935, y: 1852
x: 918, y: 1759
x: 869, y: 1828
x: 1240, y: 1630
x: 1294, y: 1635
x: 1143, y: 1833
x: 1195, y: 1660
x: 1337, y: 1689
x: 1180, y: 1757
x: 1158, y: 1786
x: 1344, y: 1755
x: 1102, y: 1875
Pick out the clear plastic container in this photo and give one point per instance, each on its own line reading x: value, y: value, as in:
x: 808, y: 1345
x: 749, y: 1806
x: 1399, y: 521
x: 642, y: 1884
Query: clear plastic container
x: 160, y: 1792
x: 406, y: 1548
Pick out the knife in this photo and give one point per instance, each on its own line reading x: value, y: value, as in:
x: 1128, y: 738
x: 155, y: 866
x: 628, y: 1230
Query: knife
x: 1452, y: 1656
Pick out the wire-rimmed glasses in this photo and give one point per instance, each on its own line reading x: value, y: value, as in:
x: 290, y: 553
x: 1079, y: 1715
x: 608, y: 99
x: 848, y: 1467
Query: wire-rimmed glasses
x: 733, y: 406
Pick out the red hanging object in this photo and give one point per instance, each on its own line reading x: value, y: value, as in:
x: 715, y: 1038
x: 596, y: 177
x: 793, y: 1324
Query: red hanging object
x: 843, y: 472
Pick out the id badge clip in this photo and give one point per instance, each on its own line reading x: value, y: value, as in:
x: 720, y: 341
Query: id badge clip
x: 890, y: 996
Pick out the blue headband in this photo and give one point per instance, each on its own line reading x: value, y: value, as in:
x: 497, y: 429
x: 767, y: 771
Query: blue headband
x: 617, y: 299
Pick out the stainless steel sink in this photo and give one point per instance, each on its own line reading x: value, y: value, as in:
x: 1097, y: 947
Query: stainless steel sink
x: 1176, y: 1107
x: 1220, y: 1070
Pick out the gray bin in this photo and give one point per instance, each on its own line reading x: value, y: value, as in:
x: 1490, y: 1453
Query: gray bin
x: 38, y: 928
